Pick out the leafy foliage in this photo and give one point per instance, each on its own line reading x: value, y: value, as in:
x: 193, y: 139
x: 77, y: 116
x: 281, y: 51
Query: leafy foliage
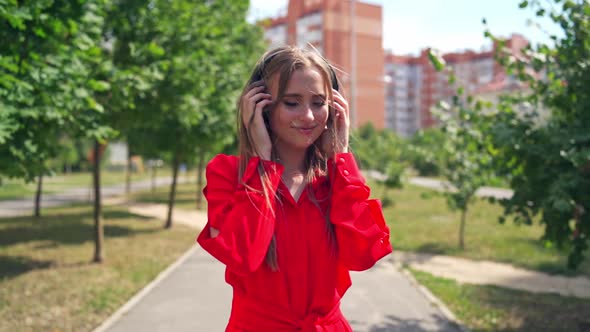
x: 544, y: 137
x: 423, y: 151
x: 49, y: 52
x: 381, y: 151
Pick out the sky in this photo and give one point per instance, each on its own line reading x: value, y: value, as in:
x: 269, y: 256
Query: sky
x: 446, y: 25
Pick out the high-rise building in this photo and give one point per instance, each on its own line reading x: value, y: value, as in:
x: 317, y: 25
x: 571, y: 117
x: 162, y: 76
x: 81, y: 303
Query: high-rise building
x: 402, y: 94
x: 354, y: 46
x: 414, y: 86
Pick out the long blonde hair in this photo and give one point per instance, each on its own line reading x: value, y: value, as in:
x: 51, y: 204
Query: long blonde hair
x: 280, y: 63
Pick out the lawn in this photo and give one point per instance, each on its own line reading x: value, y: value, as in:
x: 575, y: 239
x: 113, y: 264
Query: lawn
x: 47, y: 282
x: 490, y: 308
x: 17, y: 189
x: 186, y: 196
x: 428, y: 226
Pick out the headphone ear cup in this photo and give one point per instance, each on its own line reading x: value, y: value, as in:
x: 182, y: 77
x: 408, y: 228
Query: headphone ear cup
x: 334, y: 78
x: 257, y: 75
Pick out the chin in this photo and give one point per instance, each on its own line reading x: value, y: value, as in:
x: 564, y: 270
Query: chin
x: 301, y: 145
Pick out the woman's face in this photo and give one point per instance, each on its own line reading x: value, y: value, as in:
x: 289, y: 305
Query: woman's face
x: 300, y: 118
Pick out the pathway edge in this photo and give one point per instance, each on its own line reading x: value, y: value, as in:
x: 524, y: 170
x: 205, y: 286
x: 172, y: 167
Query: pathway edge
x: 109, y: 322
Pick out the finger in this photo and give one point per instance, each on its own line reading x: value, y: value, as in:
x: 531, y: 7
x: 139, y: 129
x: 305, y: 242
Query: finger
x: 340, y: 99
x: 250, y: 105
x: 340, y: 112
x: 262, y: 104
x: 253, y: 91
x: 258, y: 97
x: 256, y: 84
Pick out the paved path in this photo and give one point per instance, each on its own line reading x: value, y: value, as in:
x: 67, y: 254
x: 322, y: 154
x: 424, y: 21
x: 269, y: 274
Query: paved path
x: 20, y: 207
x: 193, y: 296
x: 441, y: 185
x: 492, y: 273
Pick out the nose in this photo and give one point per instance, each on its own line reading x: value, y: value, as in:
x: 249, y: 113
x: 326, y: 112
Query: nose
x: 307, y: 114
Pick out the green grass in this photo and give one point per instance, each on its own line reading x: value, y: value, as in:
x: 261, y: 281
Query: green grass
x: 47, y: 282
x: 490, y: 308
x: 186, y: 196
x: 18, y: 189
x: 428, y: 226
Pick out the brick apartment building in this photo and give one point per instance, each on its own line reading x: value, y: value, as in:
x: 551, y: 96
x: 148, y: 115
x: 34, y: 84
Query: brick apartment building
x: 413, y: 85
x: 326, y: 25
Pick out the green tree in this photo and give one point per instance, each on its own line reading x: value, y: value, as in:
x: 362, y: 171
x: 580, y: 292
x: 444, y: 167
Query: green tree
x: 467, y: 161
x: 380, y: 151
x: 208, y: 49
x: 43, y: 80
x: 544, y: 137
x: 423, y: 151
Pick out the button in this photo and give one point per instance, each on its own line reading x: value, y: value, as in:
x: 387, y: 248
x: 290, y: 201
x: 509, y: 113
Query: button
x: 345, y: 172
x: 340, y: 161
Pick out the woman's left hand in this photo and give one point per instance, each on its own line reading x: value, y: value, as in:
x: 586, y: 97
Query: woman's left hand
x: 342, y: 124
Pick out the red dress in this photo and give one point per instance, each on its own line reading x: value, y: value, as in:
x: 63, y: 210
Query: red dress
x: 304, y: 294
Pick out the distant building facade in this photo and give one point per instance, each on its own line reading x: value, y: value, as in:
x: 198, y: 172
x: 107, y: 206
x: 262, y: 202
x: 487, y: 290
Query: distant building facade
x: 413, y: 86
x: 326, y: 25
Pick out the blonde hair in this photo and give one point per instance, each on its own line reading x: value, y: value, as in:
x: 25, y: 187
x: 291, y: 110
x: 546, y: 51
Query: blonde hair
x: 280, y: 63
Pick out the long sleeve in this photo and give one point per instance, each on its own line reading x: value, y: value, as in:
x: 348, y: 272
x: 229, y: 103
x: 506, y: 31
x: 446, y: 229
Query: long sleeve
x: 361, y: 232
x: 240, y: 213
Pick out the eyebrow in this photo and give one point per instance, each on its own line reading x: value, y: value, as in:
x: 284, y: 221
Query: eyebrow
x: 297, y: 95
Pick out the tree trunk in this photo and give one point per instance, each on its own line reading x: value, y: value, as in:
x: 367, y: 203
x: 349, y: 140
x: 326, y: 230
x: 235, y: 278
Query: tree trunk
x: 128, y: 173
x: 38, y: 196
x: 154, y: 170
x: 175, y: 165
x: 98, y: 227
x: 462, y: 229
x: 200, y: 165
x: 578, y: 212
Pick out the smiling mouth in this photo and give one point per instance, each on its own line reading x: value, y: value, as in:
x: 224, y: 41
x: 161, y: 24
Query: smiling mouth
x: 305, y: 130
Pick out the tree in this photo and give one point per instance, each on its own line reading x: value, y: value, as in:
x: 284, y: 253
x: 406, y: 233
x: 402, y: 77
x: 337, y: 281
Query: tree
x: 207, y: 50
x: 544, y: 137
x: 423, y: 151
x: 43, y: 81
x: 381, y: 151
x: 467, y: 150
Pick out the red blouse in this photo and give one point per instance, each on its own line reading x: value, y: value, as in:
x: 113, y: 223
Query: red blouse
x: 304, y: 294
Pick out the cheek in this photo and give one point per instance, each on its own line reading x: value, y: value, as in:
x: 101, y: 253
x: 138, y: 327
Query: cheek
x: 323, y: 116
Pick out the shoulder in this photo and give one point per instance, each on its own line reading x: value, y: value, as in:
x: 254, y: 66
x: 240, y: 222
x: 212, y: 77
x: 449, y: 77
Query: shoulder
x: 223, y: 160
x: 223, y: 164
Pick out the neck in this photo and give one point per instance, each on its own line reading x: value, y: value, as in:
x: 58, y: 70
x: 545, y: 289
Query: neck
x: 293, y: 160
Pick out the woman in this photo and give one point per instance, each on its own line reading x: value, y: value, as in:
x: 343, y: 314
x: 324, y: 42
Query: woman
x: 290, y: 216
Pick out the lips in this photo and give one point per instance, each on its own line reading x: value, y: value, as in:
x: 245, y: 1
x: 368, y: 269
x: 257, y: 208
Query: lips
x: 305, y: 130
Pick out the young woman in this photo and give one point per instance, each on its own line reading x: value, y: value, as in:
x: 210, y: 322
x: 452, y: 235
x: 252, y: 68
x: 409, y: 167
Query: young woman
x: 291, y: 215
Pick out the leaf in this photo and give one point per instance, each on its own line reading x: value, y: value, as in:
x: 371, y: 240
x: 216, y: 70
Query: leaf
x: 436, y: 59
x: 99, y: 86
x: 523, y: 4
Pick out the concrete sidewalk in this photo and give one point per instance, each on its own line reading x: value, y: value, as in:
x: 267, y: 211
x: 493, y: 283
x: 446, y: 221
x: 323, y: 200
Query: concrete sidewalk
x: 192, y: 295
x: 20, y: 207
x: 492, y: 273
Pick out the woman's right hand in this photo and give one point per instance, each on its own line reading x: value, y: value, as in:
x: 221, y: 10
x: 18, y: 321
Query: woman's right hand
x: 252, y: 105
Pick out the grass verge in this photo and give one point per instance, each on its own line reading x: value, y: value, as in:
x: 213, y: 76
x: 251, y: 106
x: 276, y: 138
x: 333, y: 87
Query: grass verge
x: 428, y: 226
x: 18, y: 189
x: 47, y: 282
x: 186, y: 196
x: 490, y: 308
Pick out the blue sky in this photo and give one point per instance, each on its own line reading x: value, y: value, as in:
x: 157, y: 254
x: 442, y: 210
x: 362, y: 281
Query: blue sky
x: 448, y: 25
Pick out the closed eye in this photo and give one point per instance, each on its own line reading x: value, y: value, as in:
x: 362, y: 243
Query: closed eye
x: 290, y: 103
